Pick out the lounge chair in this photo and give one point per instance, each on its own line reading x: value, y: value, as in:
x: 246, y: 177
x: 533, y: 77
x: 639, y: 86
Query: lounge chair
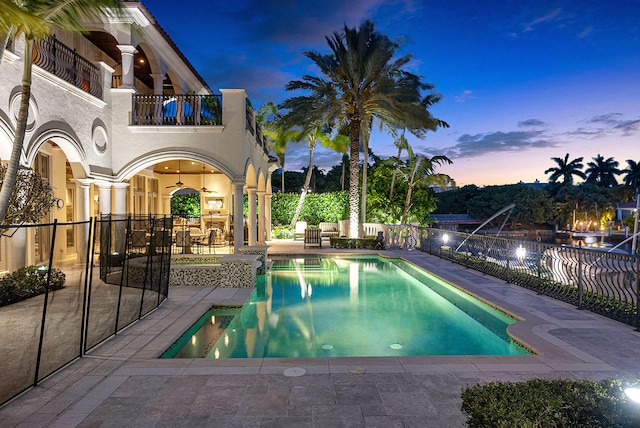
x: 300, y: 228
x: 312, y: 237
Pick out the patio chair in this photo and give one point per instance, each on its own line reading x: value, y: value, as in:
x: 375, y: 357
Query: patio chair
x: 312, y: 237
x: 139, y: 239
x: 183, y: 240
x: 299, y: 231
x: 212, y: 240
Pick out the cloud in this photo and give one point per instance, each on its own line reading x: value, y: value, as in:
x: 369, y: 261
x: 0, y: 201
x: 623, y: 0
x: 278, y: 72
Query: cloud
x: 584, y: 33
x: 498, y: 141
x: 550, y: 16
x: 465, y: 96
x: 609, y: 123
x: 608, y: 119
x: 532, y: 123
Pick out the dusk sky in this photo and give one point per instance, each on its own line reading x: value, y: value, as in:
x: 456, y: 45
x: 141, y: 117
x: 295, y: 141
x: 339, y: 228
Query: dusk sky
x: 523, y: 81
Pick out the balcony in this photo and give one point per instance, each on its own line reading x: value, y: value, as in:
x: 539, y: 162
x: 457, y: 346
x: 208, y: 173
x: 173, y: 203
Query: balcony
x: 173, y: 110
x: 65, y: 63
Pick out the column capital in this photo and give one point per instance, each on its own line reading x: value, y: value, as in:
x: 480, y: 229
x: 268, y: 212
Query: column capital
x: 127, y: 49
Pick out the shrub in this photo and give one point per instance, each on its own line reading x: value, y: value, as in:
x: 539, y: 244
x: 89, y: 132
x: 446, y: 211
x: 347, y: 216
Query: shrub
x: 27, y: 282
x: 549, y: 403
x: 282, y: 232
x: 317, y: 207
x: 368, y: 243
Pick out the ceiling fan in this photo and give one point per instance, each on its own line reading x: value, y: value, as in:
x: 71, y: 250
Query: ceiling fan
x: 204, y: 189
x: 179, y: 184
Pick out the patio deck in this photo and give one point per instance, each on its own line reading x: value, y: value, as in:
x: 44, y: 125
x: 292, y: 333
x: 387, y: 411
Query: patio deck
x: 122, y: 383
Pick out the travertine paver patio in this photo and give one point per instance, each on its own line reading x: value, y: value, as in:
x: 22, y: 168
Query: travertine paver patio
x: 121, y: 383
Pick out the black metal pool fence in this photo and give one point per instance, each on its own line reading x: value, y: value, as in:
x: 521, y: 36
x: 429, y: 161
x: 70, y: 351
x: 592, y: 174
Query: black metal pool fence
x: 601, y: 281
x: 110, y: 281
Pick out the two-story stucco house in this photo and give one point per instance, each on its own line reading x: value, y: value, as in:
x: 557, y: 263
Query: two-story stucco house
x: 119, y: 120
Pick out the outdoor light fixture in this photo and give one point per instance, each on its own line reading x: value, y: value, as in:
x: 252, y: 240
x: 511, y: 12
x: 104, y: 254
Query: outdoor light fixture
x: 590, y: 239
x: 42, y: 270
x: 633, y: 394
x: 521, y: 252
x: 445, y: 238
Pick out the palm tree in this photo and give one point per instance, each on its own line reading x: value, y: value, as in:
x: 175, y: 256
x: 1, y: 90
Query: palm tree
x: 361, y: 80
x: 566, y: 170
x: 632, y: 177
x: 602, y: 172
x: 317, y: 134
x: 276, y: 131
x: 419, y: 171
x: 340, y: 144
x: 12, y: 17
x: 67, y: 15
x: 402, y: 144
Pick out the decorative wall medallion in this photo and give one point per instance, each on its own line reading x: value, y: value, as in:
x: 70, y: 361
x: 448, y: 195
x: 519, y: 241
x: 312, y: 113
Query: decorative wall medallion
x: 100, y: 139
x: 14, y: 109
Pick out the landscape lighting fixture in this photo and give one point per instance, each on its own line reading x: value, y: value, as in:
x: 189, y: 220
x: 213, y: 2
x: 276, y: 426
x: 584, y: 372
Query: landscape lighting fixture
x: 633, y: 394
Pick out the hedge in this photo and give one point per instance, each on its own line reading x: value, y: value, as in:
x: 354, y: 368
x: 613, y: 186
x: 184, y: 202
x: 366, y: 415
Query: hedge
x: 550, y: 403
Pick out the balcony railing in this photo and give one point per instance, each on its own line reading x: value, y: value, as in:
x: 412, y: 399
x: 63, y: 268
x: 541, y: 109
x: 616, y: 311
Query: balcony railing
x: 64, y: 62
x: 188, y: 110
x: 249, y: 112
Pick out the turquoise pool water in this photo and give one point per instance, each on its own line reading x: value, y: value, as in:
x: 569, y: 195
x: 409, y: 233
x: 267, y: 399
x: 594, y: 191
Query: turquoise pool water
x: 350, y: 306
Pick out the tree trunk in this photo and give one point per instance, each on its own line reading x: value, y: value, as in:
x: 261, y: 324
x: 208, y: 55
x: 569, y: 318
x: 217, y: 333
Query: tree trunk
x: 354, y: 169
x: 393, y: 177
x: 14, y: 162
x: 305, y: 187
x: 365, y: 169
x: 345, y: 159
x: 4, y: 39
x: 407, y: 204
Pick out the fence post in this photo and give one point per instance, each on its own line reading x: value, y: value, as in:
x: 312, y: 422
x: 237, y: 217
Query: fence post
x: 508, y: 268
x: 538, y: 264
x: 580, y: 285
x: 46, y: 301
x: 637, y: 292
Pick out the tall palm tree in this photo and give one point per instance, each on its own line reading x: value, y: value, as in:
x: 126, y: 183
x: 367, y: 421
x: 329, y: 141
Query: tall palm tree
x: 566, y: 170
x: 361, y: 79
x: 419, y: 171
x: 602, y: 172
x: 64, y: 14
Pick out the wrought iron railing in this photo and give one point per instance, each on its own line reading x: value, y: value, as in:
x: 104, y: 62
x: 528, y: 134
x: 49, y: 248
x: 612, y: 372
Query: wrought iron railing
x: 249, y: 114
x: 65, y: 63
x: 606, y: 283
x: 192, y: 110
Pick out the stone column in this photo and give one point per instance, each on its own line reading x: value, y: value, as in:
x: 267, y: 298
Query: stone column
x: 238, y: 217
x: 120, y: 199
x: 158, y: 80
x: 127, y: 52
x: 267, y: 215
x: 251, y: 223
x: 83, y: 212
x: 261, y: 218
x: 104, y: 191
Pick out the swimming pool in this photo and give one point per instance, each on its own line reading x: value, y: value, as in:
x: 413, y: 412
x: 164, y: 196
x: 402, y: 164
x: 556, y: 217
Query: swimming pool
x: 349, y: 306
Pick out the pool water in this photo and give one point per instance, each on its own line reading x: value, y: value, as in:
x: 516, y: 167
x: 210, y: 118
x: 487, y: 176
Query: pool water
x: 349, y: 306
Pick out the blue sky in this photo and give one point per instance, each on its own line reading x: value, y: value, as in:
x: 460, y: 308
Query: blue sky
x: 522, y: 81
